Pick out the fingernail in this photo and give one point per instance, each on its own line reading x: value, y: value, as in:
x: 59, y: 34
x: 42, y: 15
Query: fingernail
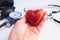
x: 45, y: 16
x: 45, y: 13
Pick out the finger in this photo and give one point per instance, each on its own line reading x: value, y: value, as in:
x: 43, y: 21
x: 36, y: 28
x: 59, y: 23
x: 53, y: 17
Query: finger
x: 44, y: 18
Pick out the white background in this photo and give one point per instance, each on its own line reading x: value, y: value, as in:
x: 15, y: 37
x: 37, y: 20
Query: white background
x: 50, y: 31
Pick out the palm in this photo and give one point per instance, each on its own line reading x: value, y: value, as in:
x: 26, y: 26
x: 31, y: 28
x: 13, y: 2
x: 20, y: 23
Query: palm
x: 25, y: 31
x: 28, y: 32
x: 31, y: 33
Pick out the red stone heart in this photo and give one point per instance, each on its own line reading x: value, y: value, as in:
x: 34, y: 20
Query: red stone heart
x: 34, y: 16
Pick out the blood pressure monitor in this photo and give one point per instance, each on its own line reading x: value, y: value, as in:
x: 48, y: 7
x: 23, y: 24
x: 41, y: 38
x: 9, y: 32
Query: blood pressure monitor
x: 13, y: 17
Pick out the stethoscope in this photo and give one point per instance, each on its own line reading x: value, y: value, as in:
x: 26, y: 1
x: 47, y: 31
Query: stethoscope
x: 14, y: 16
x: 54, y: 12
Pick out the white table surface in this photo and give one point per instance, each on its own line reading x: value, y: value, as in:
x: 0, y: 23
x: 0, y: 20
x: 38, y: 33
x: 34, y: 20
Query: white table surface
x: 51, y: 29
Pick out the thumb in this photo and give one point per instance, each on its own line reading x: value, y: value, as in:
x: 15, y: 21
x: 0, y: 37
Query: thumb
x: 22, y: 20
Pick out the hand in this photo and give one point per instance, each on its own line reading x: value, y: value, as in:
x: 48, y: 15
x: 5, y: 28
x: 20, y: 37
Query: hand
x: 25, y: 31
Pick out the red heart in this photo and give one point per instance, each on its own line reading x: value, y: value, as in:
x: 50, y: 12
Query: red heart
x: 34, y: 16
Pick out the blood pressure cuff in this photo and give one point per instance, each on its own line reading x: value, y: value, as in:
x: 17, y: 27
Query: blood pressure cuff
x: 6, y: 2
x: 6, y: 6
